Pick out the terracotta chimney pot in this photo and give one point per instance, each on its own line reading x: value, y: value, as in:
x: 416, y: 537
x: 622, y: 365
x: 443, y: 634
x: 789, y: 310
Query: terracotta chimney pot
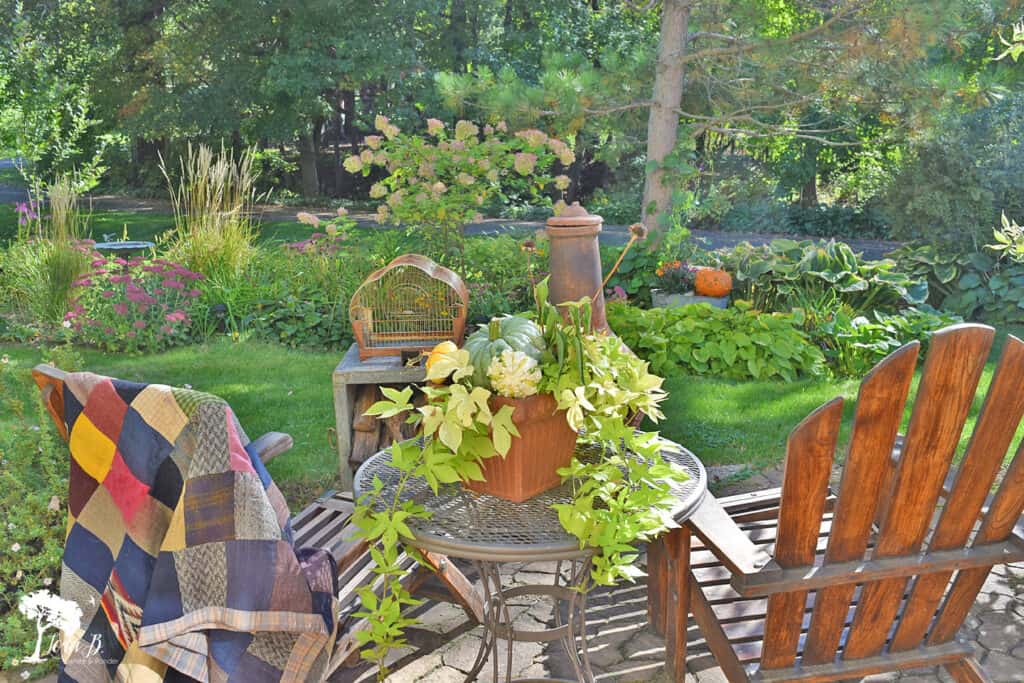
x: 576, y: 260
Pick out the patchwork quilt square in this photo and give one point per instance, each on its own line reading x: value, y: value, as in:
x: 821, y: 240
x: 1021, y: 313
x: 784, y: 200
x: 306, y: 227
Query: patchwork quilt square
x: 179, y: 549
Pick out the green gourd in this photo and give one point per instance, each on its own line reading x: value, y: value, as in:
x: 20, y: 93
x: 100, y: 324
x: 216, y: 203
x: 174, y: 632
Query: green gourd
x: 502, y: 334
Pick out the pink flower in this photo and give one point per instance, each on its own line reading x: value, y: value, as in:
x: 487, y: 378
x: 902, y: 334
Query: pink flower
x: 130, y: 335
x: 193, y: 293
x: 83, y: 282
x: 121, y: 309
x: 118, y: 279
x: 435, y: 126
x: 139, y: 324
x: 120, y: 262
x: 175, y: 317
x: 166, y: 329
x: 372, y: 141
x: 108, y: 330
x: 158, y: 291
x: 96, y: 263
x: 107, y: 293
x: 173, y: 284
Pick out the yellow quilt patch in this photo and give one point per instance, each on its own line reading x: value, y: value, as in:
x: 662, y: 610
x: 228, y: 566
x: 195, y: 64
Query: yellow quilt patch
x: 157, y: 406
x: 91, y: 448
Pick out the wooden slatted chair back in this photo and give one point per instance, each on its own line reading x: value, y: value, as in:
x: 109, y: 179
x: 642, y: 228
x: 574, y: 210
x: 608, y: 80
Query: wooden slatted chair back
x: 888, y: 503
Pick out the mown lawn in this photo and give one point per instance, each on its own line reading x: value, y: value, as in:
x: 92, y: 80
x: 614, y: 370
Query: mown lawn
x: 270, y: 387
x: 274, y: 388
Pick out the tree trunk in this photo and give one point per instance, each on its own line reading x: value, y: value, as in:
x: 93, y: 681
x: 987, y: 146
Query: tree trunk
x: 663, y: 122
x: 458, y: 26
x: 337, y: 152
x: 348, y: 98
x: 809, y: 191
x: 307, y: 165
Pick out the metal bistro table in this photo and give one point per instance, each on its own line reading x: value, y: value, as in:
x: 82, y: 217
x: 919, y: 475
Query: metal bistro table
x: 489, y: 531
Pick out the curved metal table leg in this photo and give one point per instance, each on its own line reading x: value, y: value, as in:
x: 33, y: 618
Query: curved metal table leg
x: 497, y: 620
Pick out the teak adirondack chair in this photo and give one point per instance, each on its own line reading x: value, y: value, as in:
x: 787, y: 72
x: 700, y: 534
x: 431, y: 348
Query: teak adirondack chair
x: 322, y: 524
x: 794, y: 584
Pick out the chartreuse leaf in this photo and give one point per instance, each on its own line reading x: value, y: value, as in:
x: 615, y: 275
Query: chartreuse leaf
x: 503, y: 429
x: 395, y: 403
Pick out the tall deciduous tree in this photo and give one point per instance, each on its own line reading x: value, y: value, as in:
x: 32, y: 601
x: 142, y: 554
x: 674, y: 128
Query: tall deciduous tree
x: 807, y: 70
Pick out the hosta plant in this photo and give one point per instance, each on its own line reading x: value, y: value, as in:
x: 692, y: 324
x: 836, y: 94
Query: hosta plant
x: 618, y: 500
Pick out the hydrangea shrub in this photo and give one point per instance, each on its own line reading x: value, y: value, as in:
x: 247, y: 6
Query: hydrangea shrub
x: 440, y: 181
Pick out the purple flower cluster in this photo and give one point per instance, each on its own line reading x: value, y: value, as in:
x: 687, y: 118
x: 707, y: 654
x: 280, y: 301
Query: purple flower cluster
x: 27, y: 211
x: 134, y: 304
x: 319, y: 244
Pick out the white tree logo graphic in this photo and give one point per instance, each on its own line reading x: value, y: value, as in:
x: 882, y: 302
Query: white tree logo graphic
x: 49, y: 611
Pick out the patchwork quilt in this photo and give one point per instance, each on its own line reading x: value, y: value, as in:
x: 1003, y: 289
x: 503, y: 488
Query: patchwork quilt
x: 179, y: 551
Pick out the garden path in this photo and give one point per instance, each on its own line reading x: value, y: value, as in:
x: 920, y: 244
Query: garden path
x: 612, y: 234
x: 624, y: 648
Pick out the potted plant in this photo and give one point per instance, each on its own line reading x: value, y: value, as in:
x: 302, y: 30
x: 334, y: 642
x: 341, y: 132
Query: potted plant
x: 680, y: 284
x: 520, y: 380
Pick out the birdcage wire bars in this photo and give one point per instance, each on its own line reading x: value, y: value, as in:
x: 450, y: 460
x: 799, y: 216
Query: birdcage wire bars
x: 410, y: 305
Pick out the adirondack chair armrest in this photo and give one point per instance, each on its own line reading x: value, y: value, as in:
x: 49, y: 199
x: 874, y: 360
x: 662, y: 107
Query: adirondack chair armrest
x: 729, y: 543
x: 271, y: 445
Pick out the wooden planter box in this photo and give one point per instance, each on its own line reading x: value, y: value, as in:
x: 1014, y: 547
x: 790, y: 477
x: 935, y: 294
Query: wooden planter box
x: 660, y: 299
x: 545, y: 443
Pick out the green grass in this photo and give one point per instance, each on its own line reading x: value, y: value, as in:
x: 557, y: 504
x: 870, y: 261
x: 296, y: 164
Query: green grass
x: 149, y: 226
x: 747, y: 423
x: 272, y: 388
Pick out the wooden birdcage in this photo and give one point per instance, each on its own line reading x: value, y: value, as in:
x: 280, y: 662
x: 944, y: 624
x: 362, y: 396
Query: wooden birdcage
x: 409, y: 305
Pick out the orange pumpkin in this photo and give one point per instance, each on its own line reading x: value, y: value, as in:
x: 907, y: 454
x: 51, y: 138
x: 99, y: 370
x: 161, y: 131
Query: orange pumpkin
x: 712, y: 282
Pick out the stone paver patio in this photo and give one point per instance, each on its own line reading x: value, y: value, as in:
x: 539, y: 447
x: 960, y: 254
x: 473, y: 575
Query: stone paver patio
x: 623, y: 646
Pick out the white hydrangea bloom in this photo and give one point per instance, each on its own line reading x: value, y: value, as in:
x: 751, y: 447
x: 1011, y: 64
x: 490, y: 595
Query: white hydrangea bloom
x: 514, y: 374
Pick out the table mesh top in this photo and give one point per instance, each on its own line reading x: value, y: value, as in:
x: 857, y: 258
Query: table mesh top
x: 478, y: 526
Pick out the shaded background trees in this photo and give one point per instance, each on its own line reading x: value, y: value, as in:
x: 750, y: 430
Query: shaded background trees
x: 796, y: 115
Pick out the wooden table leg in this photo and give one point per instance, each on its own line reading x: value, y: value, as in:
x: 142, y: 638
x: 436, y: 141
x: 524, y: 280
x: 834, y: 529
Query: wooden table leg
x: 657, y: 584
x: 677, y: 607
x: 344, y: 397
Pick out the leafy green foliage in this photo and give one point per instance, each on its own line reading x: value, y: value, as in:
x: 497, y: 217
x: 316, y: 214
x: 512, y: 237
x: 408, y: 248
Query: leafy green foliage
x: 984, y: 285
x: 33, y: 484
x: 737, y: 342
x: 960, y: 177
x: 438, y: 183
x: 617, y: 500
x: 37, y: 278
x: 853, y: 345
x: 773, y: 216
x: 786, y: 274
x: 136, y: 305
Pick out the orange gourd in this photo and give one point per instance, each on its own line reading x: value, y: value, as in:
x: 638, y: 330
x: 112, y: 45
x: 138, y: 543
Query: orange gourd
x: 712, y: 282
x: 445, y: 348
